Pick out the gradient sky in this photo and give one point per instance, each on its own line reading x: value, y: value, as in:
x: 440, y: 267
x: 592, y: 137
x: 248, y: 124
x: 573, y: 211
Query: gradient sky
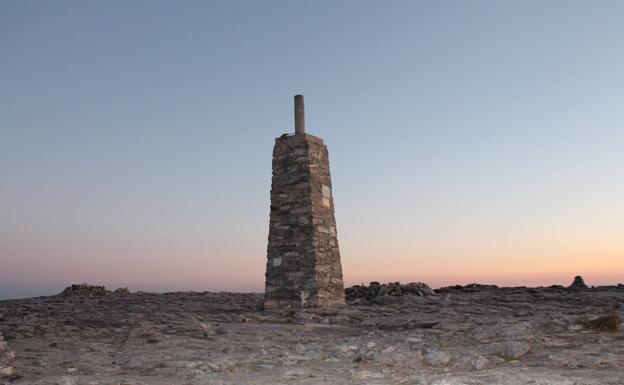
x: 469, y: 140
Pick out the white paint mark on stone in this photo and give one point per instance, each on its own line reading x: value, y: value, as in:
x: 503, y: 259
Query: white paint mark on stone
x: 326, y: 191
x: 304, y: 298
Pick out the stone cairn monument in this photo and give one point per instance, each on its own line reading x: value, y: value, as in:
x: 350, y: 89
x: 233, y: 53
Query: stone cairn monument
x: 303, y: 262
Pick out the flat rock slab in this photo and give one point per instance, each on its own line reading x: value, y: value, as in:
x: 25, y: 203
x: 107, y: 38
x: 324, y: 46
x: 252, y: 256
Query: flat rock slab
x: 483, y: 336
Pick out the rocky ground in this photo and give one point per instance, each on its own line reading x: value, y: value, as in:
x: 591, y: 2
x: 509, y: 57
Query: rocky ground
x: 459, y: 335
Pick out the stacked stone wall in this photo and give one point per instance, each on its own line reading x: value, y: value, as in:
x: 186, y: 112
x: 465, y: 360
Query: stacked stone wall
x: 303, y: 258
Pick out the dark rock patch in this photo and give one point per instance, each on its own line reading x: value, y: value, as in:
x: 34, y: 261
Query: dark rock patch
x: 84, y: 290
x: 471, y: 287
x: 376, y: 290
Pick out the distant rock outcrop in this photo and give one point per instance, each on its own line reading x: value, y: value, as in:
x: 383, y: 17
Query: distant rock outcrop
x: 84, y: 290
x: 578, y: 283
x: 122, y: 291
x: 375, y: 290
x: 471, y: 287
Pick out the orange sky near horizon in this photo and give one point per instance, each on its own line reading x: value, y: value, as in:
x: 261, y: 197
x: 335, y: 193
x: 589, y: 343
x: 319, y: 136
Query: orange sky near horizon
x: 503, y: 265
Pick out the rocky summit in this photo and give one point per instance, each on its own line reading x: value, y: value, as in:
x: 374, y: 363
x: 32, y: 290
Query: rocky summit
x: 474, y: 334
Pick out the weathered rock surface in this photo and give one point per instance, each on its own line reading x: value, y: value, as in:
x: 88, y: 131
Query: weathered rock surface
x: 483, y: 336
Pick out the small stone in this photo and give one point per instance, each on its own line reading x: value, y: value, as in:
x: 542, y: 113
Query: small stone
x: 369, y: 323
x: 67, y: 381
x: 514, y: 350
x: 436, y: 358
x: 367, y: 374
x: 193, y: 364
x: 7, y: 370
x: 370, y: 345
x: 293, y: 373
x: 479, y: 362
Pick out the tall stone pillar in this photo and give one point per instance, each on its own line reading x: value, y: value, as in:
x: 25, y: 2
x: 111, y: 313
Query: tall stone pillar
x: 303, y: 261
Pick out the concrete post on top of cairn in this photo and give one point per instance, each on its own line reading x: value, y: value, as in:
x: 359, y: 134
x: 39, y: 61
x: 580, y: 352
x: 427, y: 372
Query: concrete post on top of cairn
x: 299, y: 115
x: 303, y: 261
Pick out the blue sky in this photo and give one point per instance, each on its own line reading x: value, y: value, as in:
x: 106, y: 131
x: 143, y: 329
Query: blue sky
x: 477, y: 140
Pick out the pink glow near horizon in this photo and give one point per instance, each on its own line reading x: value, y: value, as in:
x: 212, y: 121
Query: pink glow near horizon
x: 202, y: 274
